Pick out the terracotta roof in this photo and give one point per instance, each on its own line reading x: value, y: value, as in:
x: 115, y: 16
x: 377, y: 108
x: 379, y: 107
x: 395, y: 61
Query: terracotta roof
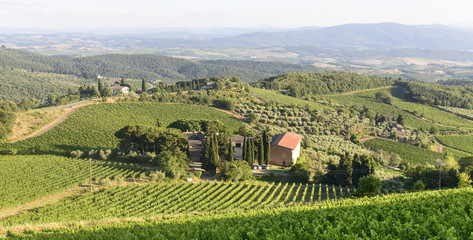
x: 287, y: 140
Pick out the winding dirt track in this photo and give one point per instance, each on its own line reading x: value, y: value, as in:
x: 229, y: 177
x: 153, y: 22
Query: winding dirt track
x: 70, y: 109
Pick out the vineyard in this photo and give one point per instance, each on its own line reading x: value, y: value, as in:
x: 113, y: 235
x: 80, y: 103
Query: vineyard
x: 27, y: 178
x: 94, y: 126
x: 466, y: 113
x: 422, y: 215
x: 151, y: 200
x: 463, y: 143
x: 409, y: 154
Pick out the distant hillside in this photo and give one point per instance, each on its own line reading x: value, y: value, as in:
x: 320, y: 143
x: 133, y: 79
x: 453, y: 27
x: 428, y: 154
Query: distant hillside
x: 310, y: 84
x: 134, y: 66
x: 17, y: 84
x: 266, y: 67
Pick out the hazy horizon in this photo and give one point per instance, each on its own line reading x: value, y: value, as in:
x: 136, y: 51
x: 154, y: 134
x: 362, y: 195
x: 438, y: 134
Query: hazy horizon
x: 88, y: 15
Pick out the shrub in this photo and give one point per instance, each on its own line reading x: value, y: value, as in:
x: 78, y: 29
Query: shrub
x: 120, y: 180
x: 418, y: 186
x: 77, y: 154
x: 173, y: 163
x: 367, y: 186
x: 300, y: 172
x: 105, y: 182
x: 157, y: 176
x: 197, y: 174
x: 236, y: 170
x: 464, y: 180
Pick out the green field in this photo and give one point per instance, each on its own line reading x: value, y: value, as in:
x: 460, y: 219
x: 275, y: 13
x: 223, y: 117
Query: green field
x: 464, y: 143
x: 409, y: 153
x: 151, y: 200
x: 444, y: 214
x: 268, y: 95
x: 94, y: 126
x: 27, y: 178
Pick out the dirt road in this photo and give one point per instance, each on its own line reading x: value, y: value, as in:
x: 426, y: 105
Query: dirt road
x: 70, y: 109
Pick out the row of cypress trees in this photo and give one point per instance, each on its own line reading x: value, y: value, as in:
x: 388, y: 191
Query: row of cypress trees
x: 257, y: 149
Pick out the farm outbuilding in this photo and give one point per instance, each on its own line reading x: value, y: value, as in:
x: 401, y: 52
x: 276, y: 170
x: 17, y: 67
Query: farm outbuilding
x: 285, y: 149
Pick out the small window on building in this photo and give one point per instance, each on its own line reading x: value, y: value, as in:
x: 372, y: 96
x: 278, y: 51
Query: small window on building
x: 238, y: 145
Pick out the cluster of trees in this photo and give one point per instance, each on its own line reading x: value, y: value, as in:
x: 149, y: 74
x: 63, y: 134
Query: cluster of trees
x: 310, y: 84
x: 184, y: 85
x: 7, y: 120
x: 350, y: 169
x: 272, y: 68
x: 169, y: 145
x: 434, y: 94
x: 446, y: 173
x: 198, y: 125
x: 257, y: 149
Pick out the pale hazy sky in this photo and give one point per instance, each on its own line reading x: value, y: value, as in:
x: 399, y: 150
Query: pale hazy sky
x: 68, y: 14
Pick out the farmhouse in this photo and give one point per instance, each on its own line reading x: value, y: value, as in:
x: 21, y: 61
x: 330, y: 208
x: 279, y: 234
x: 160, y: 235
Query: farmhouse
x: 285, y: 149
x: 237, y: 144
x: 117, y: 89
x: 195, y: 141
x: 398, y: 127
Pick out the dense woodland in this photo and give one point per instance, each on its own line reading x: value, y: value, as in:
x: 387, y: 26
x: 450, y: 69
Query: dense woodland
x: 433, y: 94
x: 310, y: 84
x: 263, y: 66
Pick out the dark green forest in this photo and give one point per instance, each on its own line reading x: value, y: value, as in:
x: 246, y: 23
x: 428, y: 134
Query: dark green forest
x: 266, y: 67
x: 17, y: 84
x: 434, y: 94
x: 310, y: 84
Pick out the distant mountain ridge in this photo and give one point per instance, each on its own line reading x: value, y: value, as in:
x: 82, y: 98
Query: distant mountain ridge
x: 375, y: 36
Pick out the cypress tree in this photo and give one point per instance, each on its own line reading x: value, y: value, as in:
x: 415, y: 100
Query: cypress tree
x: 266, y: 147
x: 252, y: 151
x: 144, y: 86
x: 214, y: 159
x: 206, y: 153
x: 245, y: 149
x: 345, y: 170
x: 100, y: 86
x: 230, y: 150
x: 261, y: 159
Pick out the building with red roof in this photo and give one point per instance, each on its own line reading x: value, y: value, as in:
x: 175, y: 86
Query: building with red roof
x: 285, y: 149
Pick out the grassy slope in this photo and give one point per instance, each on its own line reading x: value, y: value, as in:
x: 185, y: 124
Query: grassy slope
x: 94, y: 126
x: 398, y: 216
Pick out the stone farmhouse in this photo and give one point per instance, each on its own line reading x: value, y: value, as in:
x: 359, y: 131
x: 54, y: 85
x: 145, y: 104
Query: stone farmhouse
x: 237, y: 144
x: 195, y: 140
x: 285, y: 149
x: 117, y: 89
